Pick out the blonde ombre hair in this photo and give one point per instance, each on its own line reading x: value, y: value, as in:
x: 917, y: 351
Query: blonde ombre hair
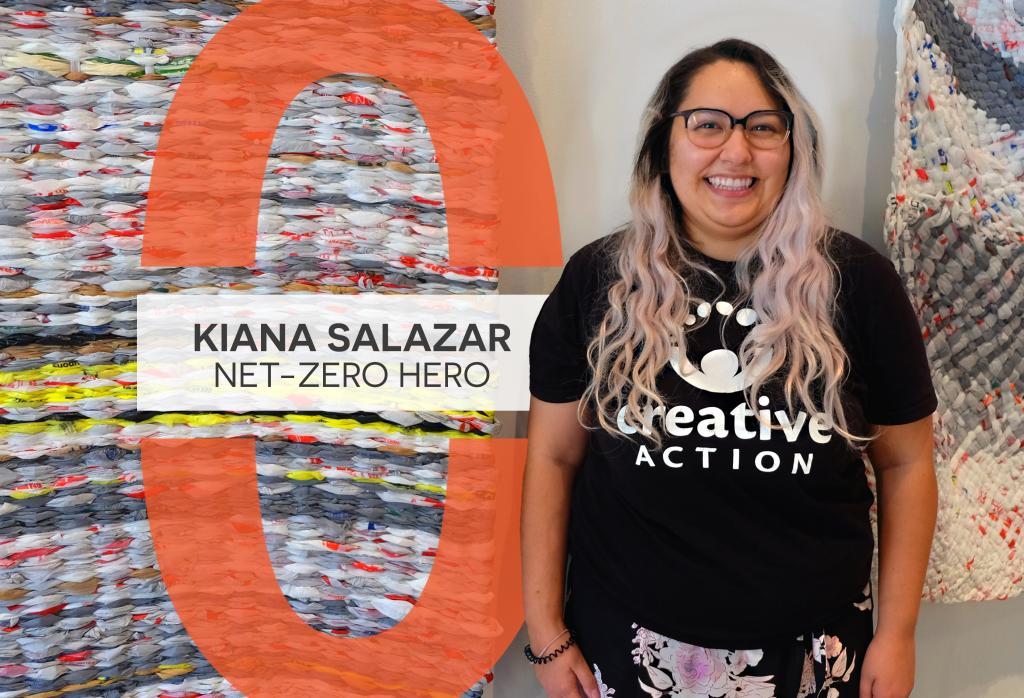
x: 787, y: 275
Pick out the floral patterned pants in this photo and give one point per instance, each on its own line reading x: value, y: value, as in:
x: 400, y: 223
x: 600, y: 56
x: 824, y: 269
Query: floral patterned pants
x: 630, y: 661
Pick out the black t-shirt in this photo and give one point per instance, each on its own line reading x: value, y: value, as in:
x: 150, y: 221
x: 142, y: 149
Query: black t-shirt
x: 728, y: 536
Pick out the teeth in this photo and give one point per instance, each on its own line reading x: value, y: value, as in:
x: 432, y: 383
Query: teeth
x: 729, y: 183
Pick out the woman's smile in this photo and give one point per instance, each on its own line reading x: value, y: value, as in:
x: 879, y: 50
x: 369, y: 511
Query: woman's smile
x: 731, y: 187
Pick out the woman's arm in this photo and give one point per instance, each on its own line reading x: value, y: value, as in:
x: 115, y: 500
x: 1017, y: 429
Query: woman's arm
x: 907, y: 502
x: 555, y: 450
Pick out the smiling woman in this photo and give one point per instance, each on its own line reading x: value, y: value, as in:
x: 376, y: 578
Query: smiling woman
x: 704, y: 382
x: 728, y: 179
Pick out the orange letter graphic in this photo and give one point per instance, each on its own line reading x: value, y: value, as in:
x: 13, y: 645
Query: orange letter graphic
x: 204, y: 203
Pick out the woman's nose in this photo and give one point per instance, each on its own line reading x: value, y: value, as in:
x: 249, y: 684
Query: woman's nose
x: 737, y: 148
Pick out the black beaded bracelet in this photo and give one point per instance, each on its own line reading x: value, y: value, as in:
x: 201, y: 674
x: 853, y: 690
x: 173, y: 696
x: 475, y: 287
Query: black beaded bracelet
x: 534, y: 659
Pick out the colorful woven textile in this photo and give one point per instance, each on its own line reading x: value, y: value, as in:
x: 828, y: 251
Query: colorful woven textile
x: 955, y: 224
x: 352, y: 202
x: 351, y: 531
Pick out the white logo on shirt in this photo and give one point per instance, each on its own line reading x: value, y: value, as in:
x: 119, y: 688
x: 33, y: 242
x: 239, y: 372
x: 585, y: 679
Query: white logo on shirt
x: 719, y: 373
x: 719, y: 369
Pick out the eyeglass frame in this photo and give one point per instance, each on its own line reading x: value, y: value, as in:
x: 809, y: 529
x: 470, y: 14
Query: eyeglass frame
x: 733, y: 121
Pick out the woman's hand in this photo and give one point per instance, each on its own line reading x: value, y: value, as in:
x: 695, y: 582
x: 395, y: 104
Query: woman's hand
x: 567, y: 676
x: 888, y: 668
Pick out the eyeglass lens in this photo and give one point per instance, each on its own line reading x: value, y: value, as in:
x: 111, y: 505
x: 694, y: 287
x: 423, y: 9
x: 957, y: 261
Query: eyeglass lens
x: 709, y: 129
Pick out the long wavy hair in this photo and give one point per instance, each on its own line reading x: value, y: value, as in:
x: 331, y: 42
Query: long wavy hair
x: 788, y: 274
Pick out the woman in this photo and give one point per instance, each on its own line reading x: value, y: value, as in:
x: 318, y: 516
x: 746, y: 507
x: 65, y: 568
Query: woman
x: 705, y: 382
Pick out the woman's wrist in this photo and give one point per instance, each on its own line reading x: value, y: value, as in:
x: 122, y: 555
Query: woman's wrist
x: 556, y: 638
x: 541, y: 633
x: 544, y: 656
x: 903, y: 631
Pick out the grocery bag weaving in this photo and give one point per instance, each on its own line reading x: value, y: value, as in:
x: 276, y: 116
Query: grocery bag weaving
x: 955, y: 227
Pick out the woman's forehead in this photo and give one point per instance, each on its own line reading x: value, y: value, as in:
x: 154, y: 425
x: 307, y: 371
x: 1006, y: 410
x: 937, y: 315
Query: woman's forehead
x: 733, y: 87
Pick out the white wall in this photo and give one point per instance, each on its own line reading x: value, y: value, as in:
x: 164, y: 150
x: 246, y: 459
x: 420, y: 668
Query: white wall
x: 589, y: 66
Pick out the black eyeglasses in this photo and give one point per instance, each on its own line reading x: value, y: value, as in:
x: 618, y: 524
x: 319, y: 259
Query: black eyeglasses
x: 710, y: 128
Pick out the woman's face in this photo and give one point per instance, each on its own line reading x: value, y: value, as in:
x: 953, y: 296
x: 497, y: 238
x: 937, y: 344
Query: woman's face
x: 717, y: 220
